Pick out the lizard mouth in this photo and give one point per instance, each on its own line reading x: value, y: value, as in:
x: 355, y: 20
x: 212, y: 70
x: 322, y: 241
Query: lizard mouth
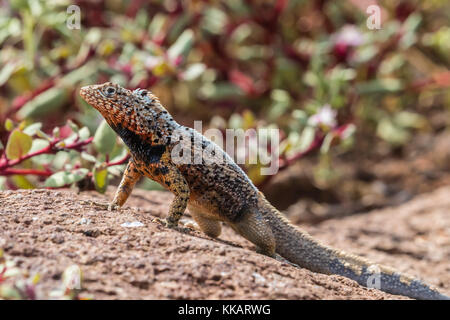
x: 89, y: 94
x: 84, y: 92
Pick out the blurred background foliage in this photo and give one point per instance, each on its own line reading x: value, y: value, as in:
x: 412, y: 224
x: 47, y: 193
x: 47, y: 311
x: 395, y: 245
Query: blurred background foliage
x: 310, y: 68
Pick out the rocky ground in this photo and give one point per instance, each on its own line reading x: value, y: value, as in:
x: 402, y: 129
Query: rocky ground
x: 125, y: 255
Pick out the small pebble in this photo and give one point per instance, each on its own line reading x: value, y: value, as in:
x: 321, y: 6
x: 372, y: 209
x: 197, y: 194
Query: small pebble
x: 84, y: 221
x: 134, y: 224
x: 57, y: 239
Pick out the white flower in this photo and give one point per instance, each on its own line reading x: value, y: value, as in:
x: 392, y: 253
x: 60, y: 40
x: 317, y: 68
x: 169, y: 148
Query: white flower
x: 349, y: 35
x: 153, y: 61
x: 325, y: 116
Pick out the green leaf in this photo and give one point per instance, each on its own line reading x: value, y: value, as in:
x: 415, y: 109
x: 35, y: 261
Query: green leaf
x: 104, y: 138
x: 39, y: 144
x: 2, y: 187
x: 79, y: 174
x: 60, y: 159
x: 236, y: 121
x: 73, y: 126
x: 56, y: 132
x: 307, y: 138
x: 193, y: 71
x: 408, y: 119
x: 9, y: 292
x: 214, y: 21
x: 58, y: 179
x: 33, y: 128
x: 19, y: 144
x: 281, y: 101
x: 412, y: 22
x: 161, y: 69
x: 10, y: 27
x: 380, y: 86
x: 182, y: 46
x: 22, y: 182
x: 80, y: 74
x: 6, y: 72
x: 100, y: 179
x: 88, y: 157
x: 327, y: 142
x: 178, y: 26
x: 116, y: 171
x: 118, y: 153
x: 157, y: 24
x: 29, y: 37
x: 62, y: 178
x: 9, y: 125
x: 45, y: 103
x: 392, y: 133
x: 43, y: 135
x: 220, y: 90
x: 241, y: 33
x: 35, y: 279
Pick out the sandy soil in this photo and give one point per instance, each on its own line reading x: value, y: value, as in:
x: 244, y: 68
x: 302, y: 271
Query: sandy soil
x: 46, y: 231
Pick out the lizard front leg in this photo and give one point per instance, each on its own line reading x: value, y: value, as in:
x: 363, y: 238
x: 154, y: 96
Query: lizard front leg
x: 168, y: 175
x: 172, y: 178
x: 129, y: 179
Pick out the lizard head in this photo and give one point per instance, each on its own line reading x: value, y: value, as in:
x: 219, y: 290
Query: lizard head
x: 132, y: 110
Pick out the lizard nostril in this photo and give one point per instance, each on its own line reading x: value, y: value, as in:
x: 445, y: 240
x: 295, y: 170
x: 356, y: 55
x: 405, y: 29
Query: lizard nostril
x: 83, y: 91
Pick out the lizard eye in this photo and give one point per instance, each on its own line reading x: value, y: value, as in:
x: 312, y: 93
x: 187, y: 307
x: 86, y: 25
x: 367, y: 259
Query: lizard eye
x: 109, y: 91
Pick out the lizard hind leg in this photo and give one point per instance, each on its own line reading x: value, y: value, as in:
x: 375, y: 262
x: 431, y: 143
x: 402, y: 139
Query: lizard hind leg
x: 254, y: 228
x: 210, y: 227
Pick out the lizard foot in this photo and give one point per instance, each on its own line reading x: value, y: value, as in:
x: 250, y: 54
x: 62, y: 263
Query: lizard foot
x: 190, y: 225
x: 276, y: 257
x: 174, y: 226
x: 113, y: 207
x: 95, y: 204
x: 283, y: 260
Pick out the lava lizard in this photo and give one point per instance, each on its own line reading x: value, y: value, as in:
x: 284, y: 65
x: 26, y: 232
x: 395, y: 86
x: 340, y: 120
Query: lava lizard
x: 220, y: 191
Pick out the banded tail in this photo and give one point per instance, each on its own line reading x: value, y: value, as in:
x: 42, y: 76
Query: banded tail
x: 300, y: 248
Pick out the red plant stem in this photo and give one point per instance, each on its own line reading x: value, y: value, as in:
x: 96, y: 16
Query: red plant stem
x: 6, y: 164
x: 10, y: 163
x: 115, y: 163
x: 317, y: 143
x: 441, y: 80
x: 118, y: 162
x: 12, y: 171
x: 2, y: 273
x: 20, y: 101
x: 78, y: 144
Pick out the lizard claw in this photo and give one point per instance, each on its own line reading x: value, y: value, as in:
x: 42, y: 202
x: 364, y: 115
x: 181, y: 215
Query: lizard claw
x: 96, y: 203
x: 106, y: 206
x: 113, y: 207
x: 191, y: 225
x: 161, y: 221
x: 174, y: 226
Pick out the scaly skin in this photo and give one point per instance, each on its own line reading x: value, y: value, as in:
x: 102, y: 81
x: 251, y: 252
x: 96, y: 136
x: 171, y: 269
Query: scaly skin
x: 220, y: 191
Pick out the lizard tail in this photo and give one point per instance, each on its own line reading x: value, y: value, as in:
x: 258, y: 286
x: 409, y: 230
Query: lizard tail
x: 300, y: 248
